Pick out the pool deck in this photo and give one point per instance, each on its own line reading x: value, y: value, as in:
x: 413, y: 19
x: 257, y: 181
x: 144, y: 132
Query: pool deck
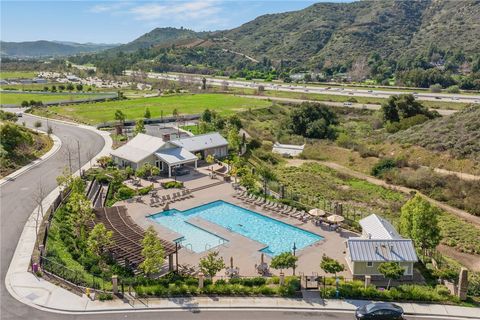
x: 245, y: 251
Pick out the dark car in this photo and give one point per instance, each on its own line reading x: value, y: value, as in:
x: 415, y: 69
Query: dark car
x: 379, y: 311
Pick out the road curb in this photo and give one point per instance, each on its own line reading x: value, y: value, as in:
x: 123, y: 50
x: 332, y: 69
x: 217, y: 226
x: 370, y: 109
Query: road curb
x: 25, y: 245
x: 57, y: 144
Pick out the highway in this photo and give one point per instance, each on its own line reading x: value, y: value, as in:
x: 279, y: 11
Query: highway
x: 340, y: 91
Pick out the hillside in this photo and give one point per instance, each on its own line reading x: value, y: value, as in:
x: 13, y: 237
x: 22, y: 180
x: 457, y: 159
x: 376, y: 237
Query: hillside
x: 44, y: 48
x: 458, y: 133
x: 339, y: 32
x: 157, y: 37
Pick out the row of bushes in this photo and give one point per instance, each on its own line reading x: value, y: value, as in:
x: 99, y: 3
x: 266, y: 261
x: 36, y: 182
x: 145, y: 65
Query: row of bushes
x: 172, y: 184
x: 356, y: 289
x: 235, y: 286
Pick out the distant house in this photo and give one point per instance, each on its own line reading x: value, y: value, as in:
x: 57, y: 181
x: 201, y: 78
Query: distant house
x: 289, y: 150
x: 379, y: 243
x: 169, y: 154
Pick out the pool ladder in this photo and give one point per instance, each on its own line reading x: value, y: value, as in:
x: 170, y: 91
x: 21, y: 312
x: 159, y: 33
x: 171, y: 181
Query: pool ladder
x: 187, y: 246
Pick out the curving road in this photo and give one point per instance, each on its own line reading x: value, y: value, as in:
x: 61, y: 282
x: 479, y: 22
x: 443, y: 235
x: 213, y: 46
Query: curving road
x: 17, y: 199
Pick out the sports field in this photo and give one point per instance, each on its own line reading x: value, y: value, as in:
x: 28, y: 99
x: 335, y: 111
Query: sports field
x: 7, y: 98
x: 94, y: 113
x: 18, y: 74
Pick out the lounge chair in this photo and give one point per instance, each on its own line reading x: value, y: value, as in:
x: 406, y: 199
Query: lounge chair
x: 259, y: 201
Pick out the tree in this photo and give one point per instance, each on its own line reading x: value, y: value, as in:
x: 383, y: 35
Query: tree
x: 404, y: 106
x: 120, y: 116
x: 313, y: 120
x: 211, y: 264
x: 285, y: 260
x: 210, y: 160
x: 139, y: 127
x: 418, y: 221
x: 104, y: 161
x: 81, y: 212
x: 147, y: 170
x: 79, y: 87
x: 233, y: 138
x: 152, y: 252
x: 206, y: 116
x: 99, y: 240
x: 25, y: 104
x: 330, y: 265
x: 391, y: 271
x: 147, y: 114
x: 70, y: 86
x: 267, y: 175
x: 13, y: 136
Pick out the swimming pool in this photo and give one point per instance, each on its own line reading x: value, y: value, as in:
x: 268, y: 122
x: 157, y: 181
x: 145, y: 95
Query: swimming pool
x: 277, y: 236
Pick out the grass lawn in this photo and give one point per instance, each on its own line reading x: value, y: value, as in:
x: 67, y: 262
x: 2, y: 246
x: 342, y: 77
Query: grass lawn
x: 134, y: 109
x: 18, y: 74
x: 17, y: 98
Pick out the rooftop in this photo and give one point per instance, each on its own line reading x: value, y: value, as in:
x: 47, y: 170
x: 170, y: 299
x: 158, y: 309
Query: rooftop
x: 176, y: 155
x: 200, y: 142
x: 378, y: 228
x: 140, y: 147
x: 397, y: 250
x: 289, y: 149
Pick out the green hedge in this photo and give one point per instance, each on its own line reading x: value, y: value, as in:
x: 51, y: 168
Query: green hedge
x: 235, y: 286
x: 356, y: 289
x: 172, y: 184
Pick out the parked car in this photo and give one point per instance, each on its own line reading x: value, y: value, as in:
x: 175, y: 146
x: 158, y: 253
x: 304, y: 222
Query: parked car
x: 379, y: 311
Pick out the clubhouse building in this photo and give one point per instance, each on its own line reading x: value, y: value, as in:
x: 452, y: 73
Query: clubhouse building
x: 167, y: 155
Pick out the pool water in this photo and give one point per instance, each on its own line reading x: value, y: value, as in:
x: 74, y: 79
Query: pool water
x: 277, y: 236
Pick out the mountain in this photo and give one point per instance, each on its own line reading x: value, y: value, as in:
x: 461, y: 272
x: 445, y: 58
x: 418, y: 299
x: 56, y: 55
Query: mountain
x: 43, y: 48
x: 159, y: 36
x: 375, y: 39
x: 341, y: 32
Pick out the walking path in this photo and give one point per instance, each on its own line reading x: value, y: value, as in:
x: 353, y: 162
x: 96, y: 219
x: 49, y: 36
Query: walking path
x: 458, y: 212
x: 369, y: 106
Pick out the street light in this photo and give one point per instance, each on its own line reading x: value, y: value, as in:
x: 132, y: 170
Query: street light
x: 294, y: 251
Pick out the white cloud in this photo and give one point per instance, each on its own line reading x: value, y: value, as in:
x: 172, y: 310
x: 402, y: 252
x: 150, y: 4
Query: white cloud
x: 185, y: 11
x: 110, y: 7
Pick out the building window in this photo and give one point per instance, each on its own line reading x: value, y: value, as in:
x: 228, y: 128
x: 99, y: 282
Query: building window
x: 369, y: 264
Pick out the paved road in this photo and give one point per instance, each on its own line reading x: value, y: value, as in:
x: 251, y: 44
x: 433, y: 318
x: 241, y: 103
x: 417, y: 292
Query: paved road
x: 16, y: 202
x: 377, y: 93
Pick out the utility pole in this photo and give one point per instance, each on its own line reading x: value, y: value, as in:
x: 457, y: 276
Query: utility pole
x: 79, y: 161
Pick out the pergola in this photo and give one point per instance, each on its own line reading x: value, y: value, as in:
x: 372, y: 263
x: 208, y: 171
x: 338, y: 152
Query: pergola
x: 175, y: 157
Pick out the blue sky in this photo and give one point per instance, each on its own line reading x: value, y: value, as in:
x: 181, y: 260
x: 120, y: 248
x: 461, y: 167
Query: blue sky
x: 125, y: 20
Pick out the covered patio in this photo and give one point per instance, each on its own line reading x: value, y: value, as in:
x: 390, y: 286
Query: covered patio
x: 171, y: 158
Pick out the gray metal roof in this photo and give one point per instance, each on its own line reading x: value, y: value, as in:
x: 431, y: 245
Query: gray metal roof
x: 201, y: 142
x: 397, y: 250
x: 378, y: 228
x: 175, y: 156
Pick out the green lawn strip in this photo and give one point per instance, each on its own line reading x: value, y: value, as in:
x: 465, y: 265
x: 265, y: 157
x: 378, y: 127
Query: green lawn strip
x: 17, y: 98
x: 95, y: 113
x: 18, y: 74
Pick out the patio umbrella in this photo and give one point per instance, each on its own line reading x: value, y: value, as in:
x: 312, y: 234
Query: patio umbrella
x: 335, y: 218
x: 317, y: 212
